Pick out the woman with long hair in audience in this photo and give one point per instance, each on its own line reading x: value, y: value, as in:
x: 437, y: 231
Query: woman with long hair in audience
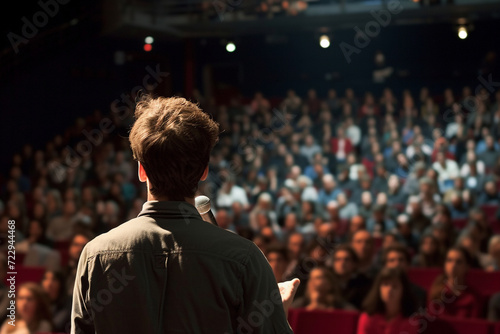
x: 389, y: 305
x: 32, y: 311
x: 322, y: 292
x: 429, y: 255
x: 53, y: 282
x: 450, y: 291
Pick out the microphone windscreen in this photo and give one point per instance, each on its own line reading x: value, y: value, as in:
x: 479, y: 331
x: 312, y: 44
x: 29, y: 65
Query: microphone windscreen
x: 202, y: 204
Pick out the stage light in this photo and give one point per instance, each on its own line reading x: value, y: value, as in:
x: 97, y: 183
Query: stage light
x: 324, y: 41
x: 230, y: 47
x: 462, y: 32
x: 149, y: 40
x: 148, y: 47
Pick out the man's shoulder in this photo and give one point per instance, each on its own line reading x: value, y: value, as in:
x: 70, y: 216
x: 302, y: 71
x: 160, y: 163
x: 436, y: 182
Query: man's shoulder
x: 145, y: 233
x: 114, y: 236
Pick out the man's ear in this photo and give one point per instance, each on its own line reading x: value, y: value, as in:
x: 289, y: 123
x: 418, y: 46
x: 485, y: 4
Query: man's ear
x: 142, y: 173
x: 205, y: 174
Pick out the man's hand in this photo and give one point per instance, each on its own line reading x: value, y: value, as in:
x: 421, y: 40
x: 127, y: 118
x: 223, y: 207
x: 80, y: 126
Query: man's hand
x: 287, y: 291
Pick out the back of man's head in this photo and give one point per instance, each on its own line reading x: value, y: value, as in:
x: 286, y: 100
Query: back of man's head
x: 172, y: 139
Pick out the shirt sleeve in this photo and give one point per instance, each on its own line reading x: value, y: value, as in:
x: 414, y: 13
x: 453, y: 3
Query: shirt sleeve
x: 261, y: 306
x: 81, y: 315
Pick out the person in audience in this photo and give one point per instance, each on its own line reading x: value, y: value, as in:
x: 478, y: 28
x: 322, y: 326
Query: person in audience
x: 493, y: 262
x: 478, y: 219
x: 346, y: 209
x: 36, y: 233
x: 224, y: 219
x: 379, y: 223
x: 363, y: 245
x: 451, y: 289
x: 230, y: 193
x: 36, y: 254
x: 53, y: 283
x: 329, y: 190
x: 32, y: 311
x: 341, y: 145
x: 389, y: 305
x: 430, y: 254
x: 322, y: 292
x: 277, y: 256
x: 60, y: 227
x: 353, y: 285
x: 406, y: 234
x: 490, y: 195
x: 264, y: 206
x: 295, y: 248
x: 419, y: 220
x: 398, y: 256
x: 78, y: 241
x: 469, y: 240
x: 491, y: 152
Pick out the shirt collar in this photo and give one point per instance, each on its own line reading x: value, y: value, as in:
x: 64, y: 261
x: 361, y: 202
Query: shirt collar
x: 169, y: 209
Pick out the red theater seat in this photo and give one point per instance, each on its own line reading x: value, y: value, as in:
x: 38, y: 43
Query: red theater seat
x: 485, y: 283
x: 459, y: 223
x: 491, y: 215
x: 424, y: 277
x: 497, y: 327
x: 323, y: 322
x: 490, y: 210
x: 448, y: 325
x: 28, y: 274
x: 343, y: 227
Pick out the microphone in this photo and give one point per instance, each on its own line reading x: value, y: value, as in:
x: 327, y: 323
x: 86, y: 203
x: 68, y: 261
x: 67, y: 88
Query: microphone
x: 202, y: 204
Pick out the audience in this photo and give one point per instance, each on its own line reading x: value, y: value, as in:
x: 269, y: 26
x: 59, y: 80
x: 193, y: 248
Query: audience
x: 326, y: 181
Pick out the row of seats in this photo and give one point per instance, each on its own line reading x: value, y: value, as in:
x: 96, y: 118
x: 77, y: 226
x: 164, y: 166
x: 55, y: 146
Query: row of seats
x: 484, y: 282
x: 346, y: 322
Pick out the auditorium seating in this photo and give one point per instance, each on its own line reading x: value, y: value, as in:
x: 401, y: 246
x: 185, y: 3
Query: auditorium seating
x: 491, y: 214
x: 460, y: 223
x: 485, y: 283
x: 450, y: 325
x: 497, y: 327
x: 27, y: 274
x: 325, y: 322
x: 63, y: 248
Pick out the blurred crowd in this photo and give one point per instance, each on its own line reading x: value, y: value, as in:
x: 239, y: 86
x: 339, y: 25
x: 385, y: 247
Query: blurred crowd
x: 345, y: 192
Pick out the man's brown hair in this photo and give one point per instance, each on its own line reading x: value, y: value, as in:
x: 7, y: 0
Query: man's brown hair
x: 172, y: 139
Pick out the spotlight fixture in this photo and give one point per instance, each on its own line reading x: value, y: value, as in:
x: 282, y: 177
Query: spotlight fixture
x: 324, y: 41
x: 230, y: 47
x: 462, y: 32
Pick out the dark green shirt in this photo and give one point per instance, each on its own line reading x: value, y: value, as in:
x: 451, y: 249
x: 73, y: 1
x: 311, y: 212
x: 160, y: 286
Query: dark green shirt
x: 168, y: 271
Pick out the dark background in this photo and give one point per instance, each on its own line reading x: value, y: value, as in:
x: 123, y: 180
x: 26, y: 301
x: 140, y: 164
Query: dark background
x: 67, y: 71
